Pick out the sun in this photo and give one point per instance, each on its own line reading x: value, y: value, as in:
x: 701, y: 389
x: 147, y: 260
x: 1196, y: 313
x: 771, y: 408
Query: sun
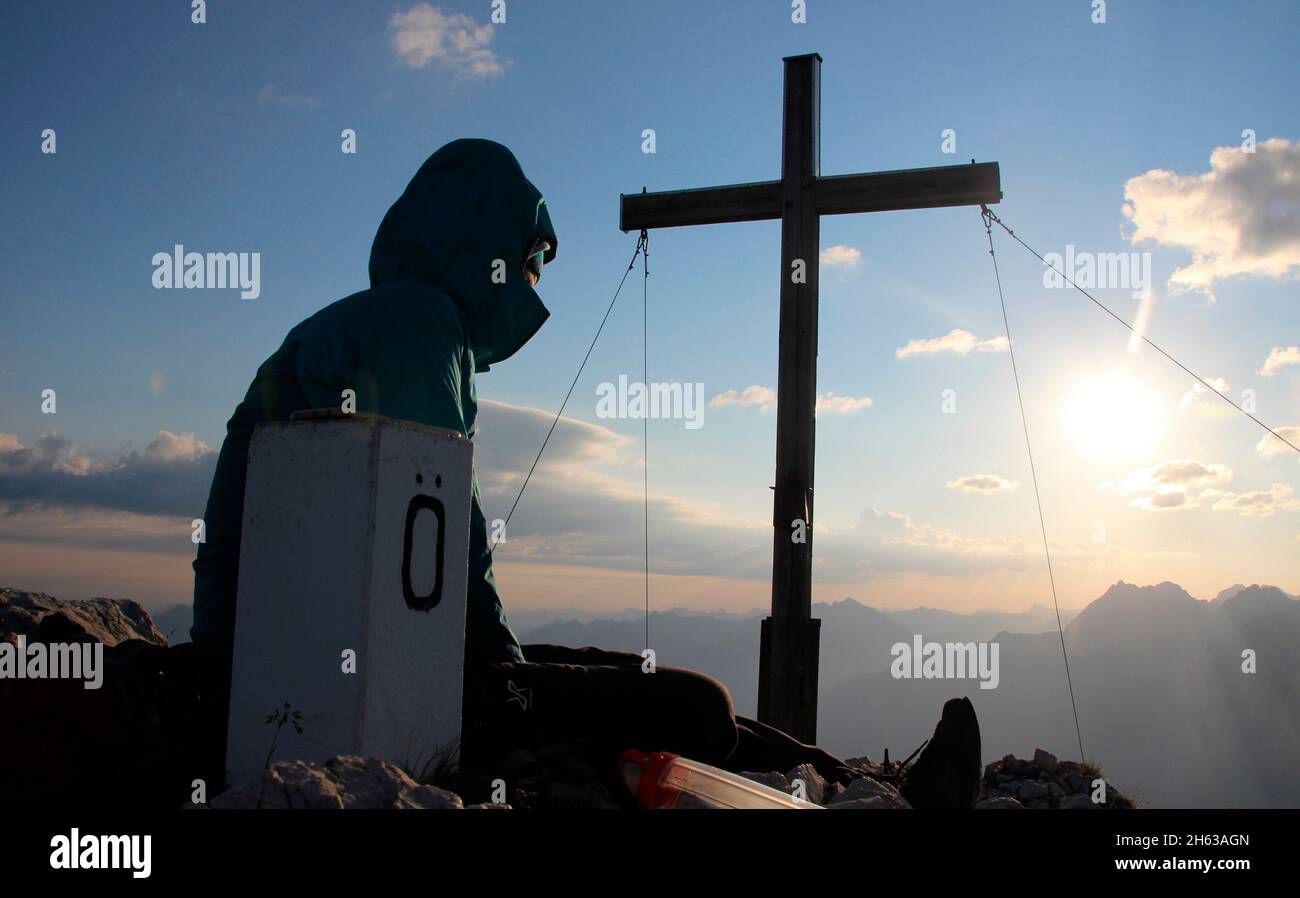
x: 1113, y: 417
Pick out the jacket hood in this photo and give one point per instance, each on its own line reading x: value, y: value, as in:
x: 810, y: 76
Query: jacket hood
x: 468, y: 206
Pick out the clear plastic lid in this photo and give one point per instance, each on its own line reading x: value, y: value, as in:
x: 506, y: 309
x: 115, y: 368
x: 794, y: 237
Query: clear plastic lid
x: 664, y: 780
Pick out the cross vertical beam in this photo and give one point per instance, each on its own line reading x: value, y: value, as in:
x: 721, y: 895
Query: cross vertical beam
x: 788, y: 660
x: 787, y: 679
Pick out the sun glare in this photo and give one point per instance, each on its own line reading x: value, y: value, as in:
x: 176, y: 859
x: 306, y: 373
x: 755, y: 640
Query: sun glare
x: 1113, y: 416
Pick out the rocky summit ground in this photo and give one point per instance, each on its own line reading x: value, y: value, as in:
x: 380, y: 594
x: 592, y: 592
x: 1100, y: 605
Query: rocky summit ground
x: 43, y: 618
x: 1045, y: 782
x: 351, y: 782
x: 555, y: 777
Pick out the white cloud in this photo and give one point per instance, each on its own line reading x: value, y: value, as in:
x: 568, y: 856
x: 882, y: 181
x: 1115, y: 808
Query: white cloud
x: 1184, y: 472
x: 168, y: 447
x: 841, y: 258
x: 1175, y: 497
x: 1241, y: 218
x: 1279, y: 358
x: 424, y: 34
x: 830, y: 404
x: 507, y: 437
x: 982, y: 483
x: 1271, y: 445
x: 764, y: 399
x: 1189, y: 484
x: 269, y: 94
x: 1198, y: 390
x: 1259, y: 503
x: 1173, y: 484
x: 958, y: 341
x: 1164, y: 499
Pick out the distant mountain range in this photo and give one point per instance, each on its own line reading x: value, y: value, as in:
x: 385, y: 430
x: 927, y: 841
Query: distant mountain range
x: 1163, y: 702
x: 855, y: 639
x: 174, y: 622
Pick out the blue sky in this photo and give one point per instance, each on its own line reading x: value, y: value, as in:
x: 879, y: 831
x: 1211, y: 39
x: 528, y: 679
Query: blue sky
x: 225, y: 136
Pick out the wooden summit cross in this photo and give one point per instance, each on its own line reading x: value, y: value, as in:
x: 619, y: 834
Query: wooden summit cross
x: 787, y: 684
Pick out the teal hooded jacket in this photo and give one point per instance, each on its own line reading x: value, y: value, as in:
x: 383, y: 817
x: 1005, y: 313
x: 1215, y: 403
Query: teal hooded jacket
x: 409, y: 347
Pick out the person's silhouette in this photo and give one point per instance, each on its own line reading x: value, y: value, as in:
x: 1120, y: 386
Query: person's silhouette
x: 453, y: 273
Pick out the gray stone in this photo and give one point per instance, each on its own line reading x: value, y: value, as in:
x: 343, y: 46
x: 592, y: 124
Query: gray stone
x: 1046, y: 760
x: 1011, y: 764
x: 109, y: 621
x: 1077, y: 803
x: 1001, y: 803
x: 345, y: 781
x: 1057, y: 792
x: 865, y: 788
x: 816, y: 789
x: 1075, y: 782
x: 874, y: 803
x: 1030, y: 790
x: 768, y: 778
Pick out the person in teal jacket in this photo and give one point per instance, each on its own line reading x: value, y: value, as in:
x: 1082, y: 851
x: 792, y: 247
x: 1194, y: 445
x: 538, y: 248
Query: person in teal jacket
x: 452, y: 275
x: 453, y: 272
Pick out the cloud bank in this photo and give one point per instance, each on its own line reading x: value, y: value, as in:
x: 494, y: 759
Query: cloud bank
x: 1241, y: 218
x: 170, y: 477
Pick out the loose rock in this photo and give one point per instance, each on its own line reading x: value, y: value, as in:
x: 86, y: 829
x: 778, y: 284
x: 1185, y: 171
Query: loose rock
x: 1030, y: 790
x: 43, y: 618
x: 345, y: 781
x: 816, y: 789
x: 1000, y: 803
x: 768, y: 778
x: 1077, y: 803
x: 865, y: 789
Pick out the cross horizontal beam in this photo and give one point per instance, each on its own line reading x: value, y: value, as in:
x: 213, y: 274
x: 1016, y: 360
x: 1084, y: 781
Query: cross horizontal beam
x: 912, y: 188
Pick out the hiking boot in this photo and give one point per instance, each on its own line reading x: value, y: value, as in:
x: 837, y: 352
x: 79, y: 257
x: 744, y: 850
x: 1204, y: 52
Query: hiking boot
x: 947, y: 774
